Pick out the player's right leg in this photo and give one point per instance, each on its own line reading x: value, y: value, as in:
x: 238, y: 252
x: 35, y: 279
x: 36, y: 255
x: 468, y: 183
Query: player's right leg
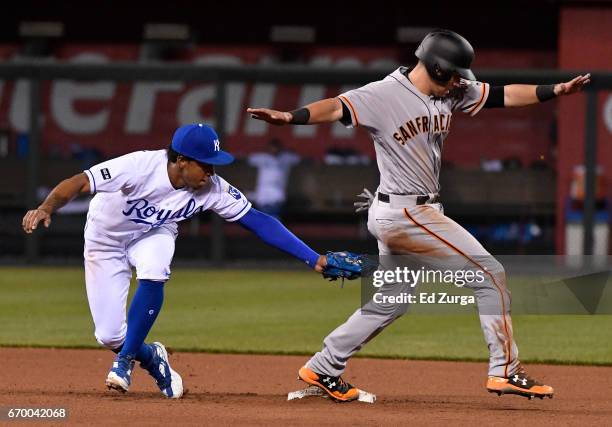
x: 107, y: 278
x: 325, y: 368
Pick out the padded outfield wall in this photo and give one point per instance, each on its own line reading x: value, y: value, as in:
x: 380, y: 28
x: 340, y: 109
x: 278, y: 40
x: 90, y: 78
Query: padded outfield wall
x: 585, y: 43
x: 117, y: 118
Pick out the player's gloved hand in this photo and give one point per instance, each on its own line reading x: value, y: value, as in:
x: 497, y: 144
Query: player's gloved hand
x: 33, y: 217
x: 364, y: 205
x: 344, y: 265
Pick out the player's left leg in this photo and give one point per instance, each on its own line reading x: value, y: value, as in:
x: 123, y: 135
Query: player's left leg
x: 151, y: 255
x: 455, y: 248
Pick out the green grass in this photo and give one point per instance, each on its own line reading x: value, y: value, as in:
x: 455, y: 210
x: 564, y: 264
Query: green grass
x: 282, y: 312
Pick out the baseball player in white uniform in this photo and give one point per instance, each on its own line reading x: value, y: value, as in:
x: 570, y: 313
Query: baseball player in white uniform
x: 408, y: 115
x: 132, y: 222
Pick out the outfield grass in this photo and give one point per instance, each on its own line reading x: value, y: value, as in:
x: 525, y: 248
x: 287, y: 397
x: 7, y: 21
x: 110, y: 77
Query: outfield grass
x: 286, y: 312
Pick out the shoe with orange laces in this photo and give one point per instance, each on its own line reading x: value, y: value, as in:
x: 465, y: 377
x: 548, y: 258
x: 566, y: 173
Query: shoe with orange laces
x: 336, y: 387
x: 521, y: 384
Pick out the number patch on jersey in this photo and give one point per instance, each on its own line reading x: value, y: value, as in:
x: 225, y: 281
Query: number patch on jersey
x: 234, y: 192
x: 105, y: 173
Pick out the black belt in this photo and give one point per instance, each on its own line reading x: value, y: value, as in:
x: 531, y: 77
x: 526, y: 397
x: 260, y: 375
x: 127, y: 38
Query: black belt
x: 420, y: 200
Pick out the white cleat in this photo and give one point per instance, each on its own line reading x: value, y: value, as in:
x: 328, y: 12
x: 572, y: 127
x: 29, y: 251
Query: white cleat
x: 168, y: 380
x: 120, y: 376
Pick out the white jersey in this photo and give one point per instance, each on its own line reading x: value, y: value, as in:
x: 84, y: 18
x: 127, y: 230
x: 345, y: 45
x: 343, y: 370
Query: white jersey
x: 408, y: 128
x: 134, y: 195
x: 272, y: 175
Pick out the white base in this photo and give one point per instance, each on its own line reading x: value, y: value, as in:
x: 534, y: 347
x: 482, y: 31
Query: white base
x: 312, y: 390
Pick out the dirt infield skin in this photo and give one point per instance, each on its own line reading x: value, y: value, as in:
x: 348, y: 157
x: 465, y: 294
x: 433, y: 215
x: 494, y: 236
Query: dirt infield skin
x: 252, y: 390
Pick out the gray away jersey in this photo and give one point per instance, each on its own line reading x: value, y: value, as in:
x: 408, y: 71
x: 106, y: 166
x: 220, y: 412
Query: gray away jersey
x: 408, y: 129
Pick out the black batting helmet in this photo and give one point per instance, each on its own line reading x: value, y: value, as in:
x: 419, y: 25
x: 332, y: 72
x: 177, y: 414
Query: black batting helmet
x: 445, y: 52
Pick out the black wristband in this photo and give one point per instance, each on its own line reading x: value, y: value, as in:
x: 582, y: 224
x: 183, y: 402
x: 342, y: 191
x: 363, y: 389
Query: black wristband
x: 545, y: 92
x: 300, y: 116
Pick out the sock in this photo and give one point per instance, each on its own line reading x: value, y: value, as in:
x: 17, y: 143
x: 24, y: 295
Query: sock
x: 144, y: 354
x: 145, y: 307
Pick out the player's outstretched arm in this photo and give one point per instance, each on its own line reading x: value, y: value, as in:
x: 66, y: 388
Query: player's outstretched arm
x: 333, y: 265
x: 64, y: 192
x: 275, y: 234
x: 324, y: 111
x: 520, y: 95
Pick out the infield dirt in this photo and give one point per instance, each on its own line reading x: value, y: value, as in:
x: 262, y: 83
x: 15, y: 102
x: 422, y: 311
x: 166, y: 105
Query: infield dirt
x: 252, y: 390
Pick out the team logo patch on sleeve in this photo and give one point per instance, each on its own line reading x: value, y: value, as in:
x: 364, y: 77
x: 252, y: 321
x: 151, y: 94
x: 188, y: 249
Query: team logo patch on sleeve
x: 105, y: 173
x: 234, y: 192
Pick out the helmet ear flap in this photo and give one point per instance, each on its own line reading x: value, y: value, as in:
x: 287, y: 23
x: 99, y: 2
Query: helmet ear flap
x: 437, y: 73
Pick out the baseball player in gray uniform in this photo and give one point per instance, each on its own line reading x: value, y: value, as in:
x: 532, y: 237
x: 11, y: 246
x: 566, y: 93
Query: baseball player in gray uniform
x: 408, y: 115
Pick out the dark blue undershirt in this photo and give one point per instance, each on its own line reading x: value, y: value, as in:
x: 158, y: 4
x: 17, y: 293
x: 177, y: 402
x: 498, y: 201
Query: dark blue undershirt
x: 274, y: 233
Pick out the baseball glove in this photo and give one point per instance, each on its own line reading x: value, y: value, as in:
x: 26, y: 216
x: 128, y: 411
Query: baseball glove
x: 344, y: 265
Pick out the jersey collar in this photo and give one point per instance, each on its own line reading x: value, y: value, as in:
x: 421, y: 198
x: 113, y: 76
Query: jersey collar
x: 401, y: 76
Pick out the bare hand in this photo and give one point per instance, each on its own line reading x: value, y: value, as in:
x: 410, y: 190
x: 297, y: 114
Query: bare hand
x: 321, y: 264
x: 33, y: 217
x: 271, y: 116
x: 573, y: 86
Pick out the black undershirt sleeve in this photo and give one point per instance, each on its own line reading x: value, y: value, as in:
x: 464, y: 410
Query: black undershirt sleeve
x: 346, y: 115
x: 495, y: 98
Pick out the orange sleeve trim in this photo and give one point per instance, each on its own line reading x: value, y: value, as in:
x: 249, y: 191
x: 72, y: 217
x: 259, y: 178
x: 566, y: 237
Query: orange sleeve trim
x: 345, y: 99
x: 508, y: 350
x: 482, y: 97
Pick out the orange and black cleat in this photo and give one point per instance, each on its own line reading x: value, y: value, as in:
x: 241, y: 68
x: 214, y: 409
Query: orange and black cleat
x: 338, y: 389
x: 521, y: 384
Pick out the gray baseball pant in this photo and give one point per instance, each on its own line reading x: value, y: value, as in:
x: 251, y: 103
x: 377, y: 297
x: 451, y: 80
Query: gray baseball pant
x: 424, y: 229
